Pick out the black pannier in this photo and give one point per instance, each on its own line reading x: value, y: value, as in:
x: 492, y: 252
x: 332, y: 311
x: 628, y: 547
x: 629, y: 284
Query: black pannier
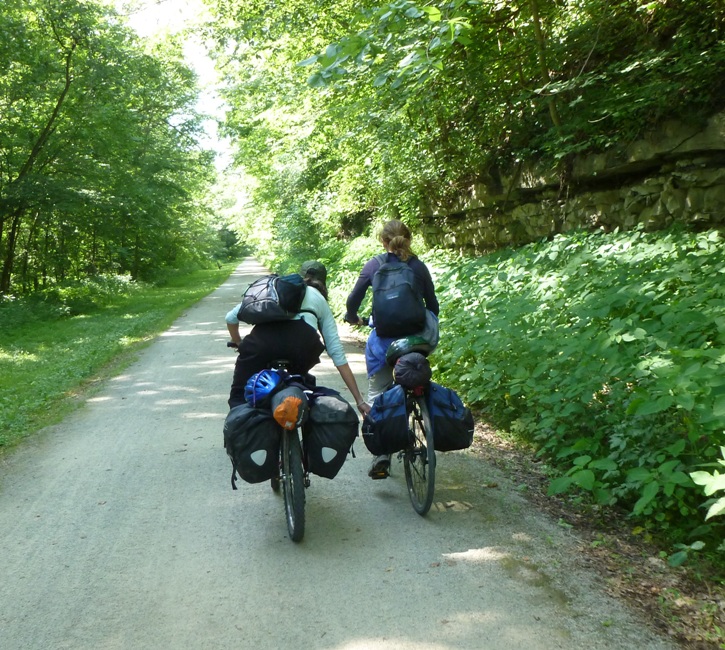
x: 251, y: 438
x: 329, y: 434
x: 272, y: 298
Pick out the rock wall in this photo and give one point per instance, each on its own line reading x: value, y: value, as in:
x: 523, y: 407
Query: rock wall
x: 676, y: 174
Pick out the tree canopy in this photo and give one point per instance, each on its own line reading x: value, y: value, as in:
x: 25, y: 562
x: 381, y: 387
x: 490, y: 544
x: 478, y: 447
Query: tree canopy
x: 345, y: 113
x: 340, y: 114
x: 100, y: 170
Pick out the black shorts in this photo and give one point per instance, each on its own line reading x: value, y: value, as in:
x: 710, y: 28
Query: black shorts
x: 293, y: 340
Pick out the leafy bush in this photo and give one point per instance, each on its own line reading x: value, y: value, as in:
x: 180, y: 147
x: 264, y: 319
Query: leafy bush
x: 67, y: 299
x: 87, y: 294
x: 606, y: 352
x: 713, y: 482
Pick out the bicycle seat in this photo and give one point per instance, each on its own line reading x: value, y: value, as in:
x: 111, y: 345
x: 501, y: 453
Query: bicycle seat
x: 407, y: 344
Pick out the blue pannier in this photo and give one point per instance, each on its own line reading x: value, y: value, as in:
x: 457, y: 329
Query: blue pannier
x: 385, y: 428
x: 452, y: 421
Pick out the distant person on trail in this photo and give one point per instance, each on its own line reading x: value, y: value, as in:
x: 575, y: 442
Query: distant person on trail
x: 395, y: 237
x: 296, y: 340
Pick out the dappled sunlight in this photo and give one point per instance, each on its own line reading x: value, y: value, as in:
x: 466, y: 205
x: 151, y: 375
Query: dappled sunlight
x: 476, y: 555
x: 175, y: 388
x: 390, y: 644
x: 172, y: 402
x: 102, y: 398
x: 174, y: 333
x: 17, y: 357
x: 214, y: 372
x: 215, y: 415
x: 215, y: 361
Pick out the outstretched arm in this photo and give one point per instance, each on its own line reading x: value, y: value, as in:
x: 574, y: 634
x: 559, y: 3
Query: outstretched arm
x: 350, y: 382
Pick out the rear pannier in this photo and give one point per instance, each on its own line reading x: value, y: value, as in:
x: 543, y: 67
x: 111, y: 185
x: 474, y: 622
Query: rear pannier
x: 329, y: 434
x: 251, y: 438
x: 452, y: 421
x: 385, y: 428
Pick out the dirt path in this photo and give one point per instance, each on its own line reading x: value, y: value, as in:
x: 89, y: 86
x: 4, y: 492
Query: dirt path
x: 119, y: 529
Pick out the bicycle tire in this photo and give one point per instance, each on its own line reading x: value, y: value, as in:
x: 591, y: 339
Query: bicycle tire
x: 419, y: 460
x: 293, y: 485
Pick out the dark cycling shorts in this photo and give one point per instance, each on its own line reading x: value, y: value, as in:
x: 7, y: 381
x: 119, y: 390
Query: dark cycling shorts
x: 293, y: 340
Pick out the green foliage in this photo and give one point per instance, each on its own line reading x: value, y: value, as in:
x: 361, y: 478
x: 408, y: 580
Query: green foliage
x: 606, y: 352
x: 100, y: 169
x: 711, y: 483
x: 51, y: 347
x: 410, y: 103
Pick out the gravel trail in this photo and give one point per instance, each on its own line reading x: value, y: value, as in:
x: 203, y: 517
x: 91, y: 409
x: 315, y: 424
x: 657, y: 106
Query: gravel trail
x: 119, y: 530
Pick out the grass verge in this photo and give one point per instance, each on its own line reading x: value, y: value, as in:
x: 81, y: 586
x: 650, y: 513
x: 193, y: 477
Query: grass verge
x: 49, y: 354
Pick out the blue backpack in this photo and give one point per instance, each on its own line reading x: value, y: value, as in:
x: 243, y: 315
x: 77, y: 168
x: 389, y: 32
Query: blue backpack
x: 398, y: 306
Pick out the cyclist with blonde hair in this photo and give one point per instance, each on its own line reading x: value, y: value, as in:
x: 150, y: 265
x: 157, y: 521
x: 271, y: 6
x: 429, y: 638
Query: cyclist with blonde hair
x: 395, y: 237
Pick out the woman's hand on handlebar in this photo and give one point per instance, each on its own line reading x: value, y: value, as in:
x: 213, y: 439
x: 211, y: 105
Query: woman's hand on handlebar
x: 358, y: 322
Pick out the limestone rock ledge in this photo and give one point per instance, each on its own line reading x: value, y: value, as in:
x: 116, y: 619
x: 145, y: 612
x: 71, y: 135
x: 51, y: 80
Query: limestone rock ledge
x: 676, y: 174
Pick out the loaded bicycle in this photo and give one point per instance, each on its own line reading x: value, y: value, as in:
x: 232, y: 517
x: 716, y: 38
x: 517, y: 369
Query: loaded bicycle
x: 293, y: 475
x: 419, y: 457
x: 416, y: 417
x: 287, y: 429
x: 262, y: 448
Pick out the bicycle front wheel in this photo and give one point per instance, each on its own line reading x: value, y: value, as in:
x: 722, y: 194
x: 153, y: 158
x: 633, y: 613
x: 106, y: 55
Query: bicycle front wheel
x: 293, y: 484
x: 419, y: 458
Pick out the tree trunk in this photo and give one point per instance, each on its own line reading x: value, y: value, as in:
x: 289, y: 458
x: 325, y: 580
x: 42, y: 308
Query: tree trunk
x: 10, y: 253
x: 543, y: 63
x: 28, y: 167
x: 24, y: 279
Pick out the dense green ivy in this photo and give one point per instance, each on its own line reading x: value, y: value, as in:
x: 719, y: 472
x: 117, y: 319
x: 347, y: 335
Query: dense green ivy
x: 607, y: 352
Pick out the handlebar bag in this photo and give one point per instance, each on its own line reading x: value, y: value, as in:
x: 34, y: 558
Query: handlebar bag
x: 452, y: 421
x: 331, y: 429
x: 385, y: 428
x: 251, y: 438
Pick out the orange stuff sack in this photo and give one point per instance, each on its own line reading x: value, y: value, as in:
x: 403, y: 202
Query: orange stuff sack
x: 290, y: 408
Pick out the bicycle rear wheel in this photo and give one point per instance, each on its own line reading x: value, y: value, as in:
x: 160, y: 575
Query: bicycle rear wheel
x: 419, y: 460
x: 293, y: 484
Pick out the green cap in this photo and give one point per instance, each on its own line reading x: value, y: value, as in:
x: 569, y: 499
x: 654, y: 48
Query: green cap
x: 314, y: 269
